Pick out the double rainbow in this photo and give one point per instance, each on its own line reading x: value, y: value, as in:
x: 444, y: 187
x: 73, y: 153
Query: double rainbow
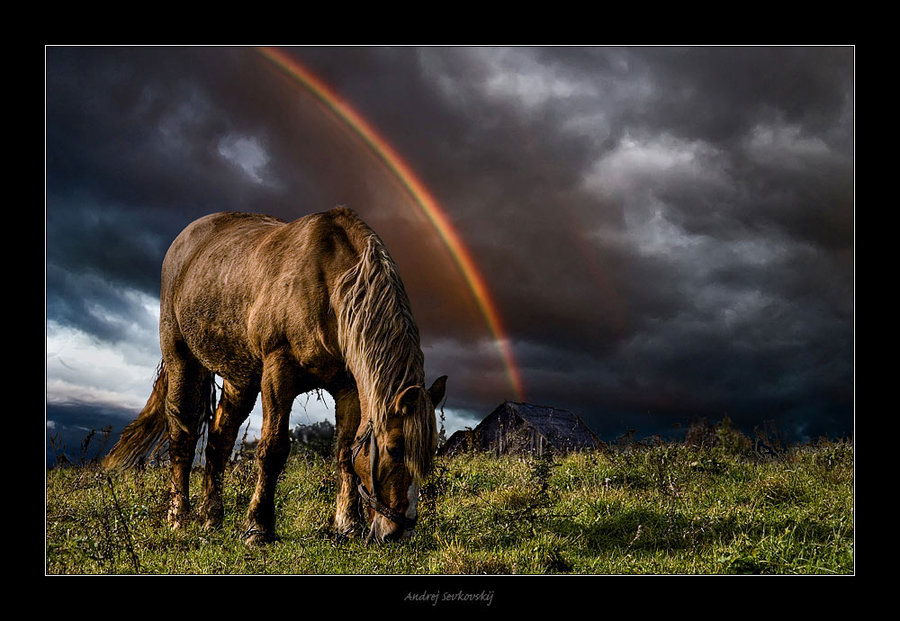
x: 422, y: 198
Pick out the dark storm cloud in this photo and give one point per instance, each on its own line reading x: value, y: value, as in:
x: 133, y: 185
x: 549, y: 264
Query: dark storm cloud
x: 142, y: 128
x: 667, y: 232
x: 86, y: 439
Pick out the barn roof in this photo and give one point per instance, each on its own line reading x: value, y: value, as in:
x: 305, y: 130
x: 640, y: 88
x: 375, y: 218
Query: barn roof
x: 563, y: 429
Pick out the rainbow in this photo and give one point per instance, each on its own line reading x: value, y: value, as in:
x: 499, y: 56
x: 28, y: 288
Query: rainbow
x: 422, y: 198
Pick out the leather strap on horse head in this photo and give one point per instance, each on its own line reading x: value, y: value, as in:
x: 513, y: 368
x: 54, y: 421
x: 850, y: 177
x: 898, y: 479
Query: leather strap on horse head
x: 372, y: 500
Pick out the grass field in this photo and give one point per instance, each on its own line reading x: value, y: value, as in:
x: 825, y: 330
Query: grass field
x: 655, y: 508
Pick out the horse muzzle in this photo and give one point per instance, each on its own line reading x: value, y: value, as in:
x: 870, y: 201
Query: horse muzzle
x: 383, y: 530
x: 388, y: 524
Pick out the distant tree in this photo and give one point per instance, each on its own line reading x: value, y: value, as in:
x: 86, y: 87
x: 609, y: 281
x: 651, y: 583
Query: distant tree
x: 701, y: 435
x: 317, y: 438
x: 731, y: 438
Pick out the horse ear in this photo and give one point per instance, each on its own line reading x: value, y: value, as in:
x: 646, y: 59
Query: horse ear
x: 437, y: 390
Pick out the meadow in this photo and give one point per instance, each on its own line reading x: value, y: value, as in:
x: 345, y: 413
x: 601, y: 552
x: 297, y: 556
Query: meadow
x: 720, y: 505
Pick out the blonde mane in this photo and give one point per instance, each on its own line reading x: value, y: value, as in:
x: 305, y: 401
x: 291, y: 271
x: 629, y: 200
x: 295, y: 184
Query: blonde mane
x: 380, y: 343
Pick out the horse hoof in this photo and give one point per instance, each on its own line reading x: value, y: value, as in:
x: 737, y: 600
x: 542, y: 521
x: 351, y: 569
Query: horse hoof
x: 177, y: 522
x: 346, y: 528
x: 214, y: 514
x: 345, y: 534
x: 255, y: 537
x: 212, y: 524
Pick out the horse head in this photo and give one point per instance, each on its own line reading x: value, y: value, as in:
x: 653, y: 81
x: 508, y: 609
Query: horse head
x: 391, y: 460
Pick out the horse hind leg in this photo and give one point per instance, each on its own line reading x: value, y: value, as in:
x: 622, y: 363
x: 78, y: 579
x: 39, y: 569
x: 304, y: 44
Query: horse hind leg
x: 234, y: 408
x: 189, y: 393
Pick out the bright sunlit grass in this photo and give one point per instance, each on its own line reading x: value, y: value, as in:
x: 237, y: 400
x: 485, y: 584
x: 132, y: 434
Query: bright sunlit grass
x: 659, y: 509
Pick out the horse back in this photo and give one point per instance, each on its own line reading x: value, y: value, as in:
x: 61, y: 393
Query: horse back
x: 238, y: 286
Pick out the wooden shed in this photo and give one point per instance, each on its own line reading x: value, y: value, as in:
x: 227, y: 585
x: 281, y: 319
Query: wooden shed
x: 522, y: 428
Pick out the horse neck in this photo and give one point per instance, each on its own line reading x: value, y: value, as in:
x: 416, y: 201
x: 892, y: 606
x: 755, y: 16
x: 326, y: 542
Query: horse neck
x: 376, y: 331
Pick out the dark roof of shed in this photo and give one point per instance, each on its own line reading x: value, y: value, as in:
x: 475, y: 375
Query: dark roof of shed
x: 565, y: 430
x: 561, y: 427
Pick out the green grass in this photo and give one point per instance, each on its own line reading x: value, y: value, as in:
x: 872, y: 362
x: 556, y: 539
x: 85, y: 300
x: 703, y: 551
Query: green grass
x: 660, y: 509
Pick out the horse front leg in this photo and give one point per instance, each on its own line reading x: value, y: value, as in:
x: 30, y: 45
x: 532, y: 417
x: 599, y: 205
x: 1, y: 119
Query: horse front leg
x: 347, y: 416
x: 278, y: 392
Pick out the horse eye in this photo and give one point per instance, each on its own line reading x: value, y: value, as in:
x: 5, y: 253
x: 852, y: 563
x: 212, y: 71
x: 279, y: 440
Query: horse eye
x: 396, y: 453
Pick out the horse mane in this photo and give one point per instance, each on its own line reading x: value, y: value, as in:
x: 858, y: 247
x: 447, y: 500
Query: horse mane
x: 380, y: 341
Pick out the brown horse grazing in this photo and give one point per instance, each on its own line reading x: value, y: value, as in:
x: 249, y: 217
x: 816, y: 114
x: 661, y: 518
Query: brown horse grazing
x: 280, y: 309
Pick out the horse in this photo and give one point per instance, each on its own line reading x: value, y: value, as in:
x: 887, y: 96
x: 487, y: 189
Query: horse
x: 279, y: 309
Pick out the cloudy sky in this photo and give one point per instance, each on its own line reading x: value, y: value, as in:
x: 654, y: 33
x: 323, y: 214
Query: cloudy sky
x: 665, y: 234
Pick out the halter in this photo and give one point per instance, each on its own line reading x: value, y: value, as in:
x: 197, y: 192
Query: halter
x: 372, y: 500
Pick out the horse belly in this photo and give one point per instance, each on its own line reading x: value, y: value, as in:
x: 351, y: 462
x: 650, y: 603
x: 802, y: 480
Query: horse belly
x: 218, y: 339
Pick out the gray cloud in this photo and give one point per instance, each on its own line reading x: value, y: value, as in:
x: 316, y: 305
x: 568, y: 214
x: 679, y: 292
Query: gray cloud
x: 666, y: 232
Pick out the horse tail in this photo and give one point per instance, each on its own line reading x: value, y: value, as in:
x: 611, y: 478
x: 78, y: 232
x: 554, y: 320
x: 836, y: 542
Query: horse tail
x: 147, y: 435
